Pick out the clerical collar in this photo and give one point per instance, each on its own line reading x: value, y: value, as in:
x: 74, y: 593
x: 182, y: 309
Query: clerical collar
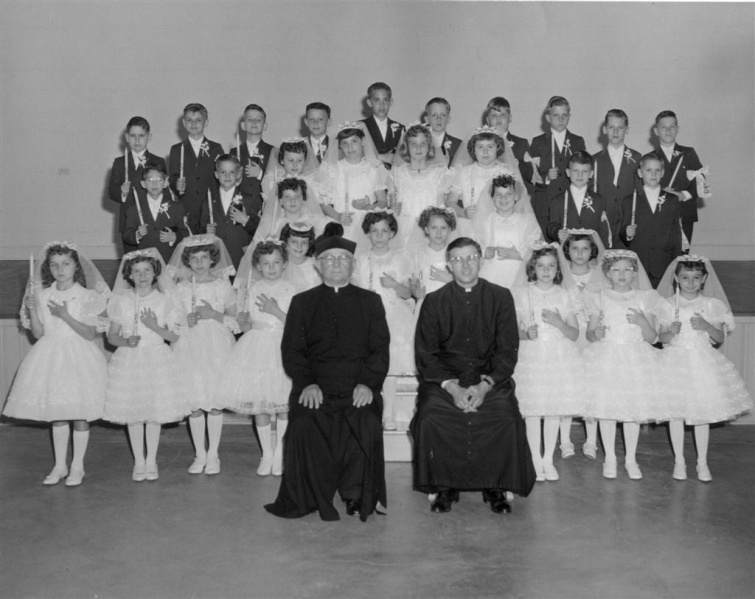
x: 467, y: 289
x: 336, y: 288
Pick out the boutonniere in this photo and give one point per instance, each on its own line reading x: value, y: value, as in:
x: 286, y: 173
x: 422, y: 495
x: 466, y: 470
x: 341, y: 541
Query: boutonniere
x: 628, y: 156
x: 567, y: 146
x: 163, y: 209
x: 205, y: 148
x: 587, y: 203
x: 511, y: 143
x: 447, y: 145
x: 255, y: 153
x: 676, y: 154
x: 237, y: 200
x: 395, y: 127
x: 661, y: 201
x: 142, y: 161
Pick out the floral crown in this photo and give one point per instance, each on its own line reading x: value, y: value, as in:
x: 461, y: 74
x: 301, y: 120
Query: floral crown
x: 196, y: 240
x: 147, y: 253
x: 422, y: 124
x: 63, y: 244
x: 541, y: 245
x: 580, y: 231
x: 380, y: 211
x: 300, y: 227
x: 486, y: 129
x: 273, y: 240
x: 293, y: 140
x: 348, y: 125
x: 691, y: 258
x: 619, y: 255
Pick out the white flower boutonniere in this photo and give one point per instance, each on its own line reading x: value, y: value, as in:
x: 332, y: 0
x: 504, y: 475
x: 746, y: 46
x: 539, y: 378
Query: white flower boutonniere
x: 395, y: 127
x: 447, y: 145
x: 661, y: 201
x: 567, y: 146
x: 676, y: 154
x: 628, y: 156
x: 587, y: 203
x: 255, y: 153
x: 204, y: 148
x: 142, y: 160
x: 510, y: 143
x: 237, y: 201
x: 163, y: 209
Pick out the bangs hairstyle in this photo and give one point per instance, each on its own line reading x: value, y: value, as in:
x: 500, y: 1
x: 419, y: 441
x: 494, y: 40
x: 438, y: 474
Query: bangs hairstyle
x: 438, y: 100
x: 256, y: 107
x: 62, y: 250
x: 372, y: 218
x: 580, y: 157
x: 428, y: 213
x: 580, y: 237
x: 617, y: 113
x: 195, y: 249
x: 295, y: 147
x: 287, y: 233
x: 502, y: 181
x: 378, y: 86
x: 462, y: 242
x: 664, y: 114
x: 497, y: 103
x: 196, y: 107
x: 227, y: 158
x: 609, y: 261
x: 648, y: 157
x: 317, y: 106
x: 540, y: 253
x: 265, y: 248
x: 411, y: 133
x: 137, y: 121
x: 136, y: 260
x: 292, y: 183
x: 485, y: 136
x: 158, y: 167
x: 347, y: 133
x: 692, y: 267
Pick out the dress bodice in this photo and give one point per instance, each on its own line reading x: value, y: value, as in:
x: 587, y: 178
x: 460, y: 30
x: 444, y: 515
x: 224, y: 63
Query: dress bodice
x: 357, y: 181
x: 122, y: 308
x: 615, y: 307
x: 371, y: 267
x: 82, y: 304
x: 530, y: 303
x: 711, y: 309
x: 419, y: 190
x: 471, y: 179
x: 423, y: 260
x: 282, y: 291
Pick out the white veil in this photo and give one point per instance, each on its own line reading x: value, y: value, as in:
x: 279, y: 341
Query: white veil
x: 522, y: 280
x: 599, y: 281
x: 180, y: 272
x: 713, y: 287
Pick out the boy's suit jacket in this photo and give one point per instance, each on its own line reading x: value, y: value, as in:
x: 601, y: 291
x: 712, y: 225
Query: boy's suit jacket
x: 253, y: 185
x: 171, y: 216
x: 449, y: 147
x: 689, y: 162
x: 392, y: 135
x: 627, y: 182
x: 593, y: 216
x: 659, y: 237
x: 520, y: 148
x: 542, y: 147
x: 135, y: 173
x: 199, y: 172
x: 235, y: 236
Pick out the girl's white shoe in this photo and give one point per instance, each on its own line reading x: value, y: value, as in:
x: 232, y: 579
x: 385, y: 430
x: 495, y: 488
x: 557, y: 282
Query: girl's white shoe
x: 55, y: 476
x: 266, y: 465
x: 703, y: 473
x: 75, y: 478
x: 680, y: 471
x: 633, y: 470
x: 198, y: 465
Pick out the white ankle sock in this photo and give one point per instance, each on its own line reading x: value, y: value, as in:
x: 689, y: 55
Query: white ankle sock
x: 80, y: 442
x: 631, y: 436
x: 702, y: 435
x: 60, y: 436
x: 608, y: 434
x: 214, y: 429
x: 153, y: 441
x: 196, y: 426
x: 136, y: 436
x: 676, y: 432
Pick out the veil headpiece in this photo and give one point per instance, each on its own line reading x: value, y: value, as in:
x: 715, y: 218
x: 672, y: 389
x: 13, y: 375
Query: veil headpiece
x: 180, y: 272
x: 712, y: 285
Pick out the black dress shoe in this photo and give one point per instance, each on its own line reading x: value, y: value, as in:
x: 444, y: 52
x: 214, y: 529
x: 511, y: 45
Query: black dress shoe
x: 444, y: 500
x: 497, y: 500
x: 353, y: 506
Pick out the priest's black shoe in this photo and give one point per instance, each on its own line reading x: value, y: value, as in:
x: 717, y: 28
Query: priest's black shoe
x: 353, y: 506
x: 497, y: 500
x: 444, y: 500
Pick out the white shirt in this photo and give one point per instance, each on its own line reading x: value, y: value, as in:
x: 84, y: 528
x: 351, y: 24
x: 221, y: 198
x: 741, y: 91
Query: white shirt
x: 560, y: 138
x: 616, y: 155
x: 139, y: 159
x: 652, y: 195
x: 317, y: 146
x: 579, y: 196
x: 382, y: 126
x: 154, y: 205
x: 226, y: 197
x: 668, y: 151
x: 196, y: 145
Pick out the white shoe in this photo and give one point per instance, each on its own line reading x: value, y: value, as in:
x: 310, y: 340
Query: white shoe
x: 590, y: 450
x: 278, y: 460
x: 139, y: 473
x: 266, y: 465
x: 551, y: 474
x: 198, y: 465
x: 680, y: 471
x: 703, y: 473
x: 567, y: 450
x: 633, y: 470
x: 75, y: 478
x: 609, y: 468
x: 151, y: 472
x: 55, y: 476
x: 539, y: 471
x: 213, y: 466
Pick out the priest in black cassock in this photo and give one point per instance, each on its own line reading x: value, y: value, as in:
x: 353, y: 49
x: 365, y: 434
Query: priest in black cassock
x: 335, y: 349
x: 468, y: 432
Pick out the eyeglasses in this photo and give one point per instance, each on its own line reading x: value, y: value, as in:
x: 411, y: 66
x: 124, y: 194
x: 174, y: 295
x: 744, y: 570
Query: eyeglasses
x: 331, y: 260
x: 622, y: 271
x: 464, y: 259
x: 155, y: 179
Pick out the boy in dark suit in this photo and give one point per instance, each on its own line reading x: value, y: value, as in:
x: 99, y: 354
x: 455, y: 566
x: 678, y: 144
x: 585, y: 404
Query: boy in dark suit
x: 677, y: 162
x: 156, y: 221
x: 127, y: 170
x: 498, y: 116
x: 384, y: 132
x: 192, y: 164
x: 584, y: 209
x: 438, y: 115
x: 650, y: 221
x: 235, y: 214
x: 615, y: 167
x: 317, y: 118
x: 255, y: 153
x: 550, y: 154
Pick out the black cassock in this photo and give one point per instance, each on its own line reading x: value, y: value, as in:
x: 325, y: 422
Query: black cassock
x: 464, y: 335
x: 336, y: 339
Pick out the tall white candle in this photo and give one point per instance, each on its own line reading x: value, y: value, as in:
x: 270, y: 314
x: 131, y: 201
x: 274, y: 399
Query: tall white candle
x: 209, y: 206
x: 676, y: 302
x: 566, y: 206
x: 532, y: 308
x: 125, y: 165
x: 553, y: 153
x: 634, y: 205
x: 595, y: 178
x: 193, y: 293
x: 181, y: 175
x: 138, y: 207
x: 136, y: 312
x: 248, y: 292
x: 238, y: 146
x: 31, y: 268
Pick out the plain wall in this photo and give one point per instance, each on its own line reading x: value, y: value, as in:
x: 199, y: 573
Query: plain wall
x: 74, y: 73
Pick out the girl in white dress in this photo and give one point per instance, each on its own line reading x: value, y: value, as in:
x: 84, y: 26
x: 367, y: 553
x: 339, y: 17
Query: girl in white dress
x: 64, y: 376
x: 708, y: 384
x: 386, y: 272
x: 624, y: 379
x: 253, y: 380
x: 300, y: 246
x: 429, y: 272
x: 146, y: 387
x: 584, y: 251
x: 201, y: 266
x: 549, y: 375
x: 292, y: 202
x: 505, y: 227
x: 420, y: 180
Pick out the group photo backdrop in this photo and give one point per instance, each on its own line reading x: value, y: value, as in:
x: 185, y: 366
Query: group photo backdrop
x: 73, y: 73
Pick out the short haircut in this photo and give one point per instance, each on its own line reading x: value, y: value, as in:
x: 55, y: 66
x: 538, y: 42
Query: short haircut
x: 557, y: 101
x: 129, y: 264
x: 227, y: 158
x: 580, y: 157
x: 540, y: 253
x: 377, y: 86
x: 332, y: 229
x: 317, y: 106
x: 154, y: 166
x: 616, y: 113
x: 375, y: 216
x: 696, y: 266
x: 580, y: 237
x: 295, y: 147
x: 497, y: 103
x: 292, y: 184
x: 502, y: 181
x: 61, y: 249
x: 351, y: 132
x: 287, y: 232
x: 665, y: 114
x: 137, y: 121
x: 196, y: 107
x: 416, y: 131
x: 462, y: 242
x: 438, y: 100
x: 431, y: 212
x: 195, y: 249
x: 648, y: 157
x: 265, y: 248
x: 486, y: 136
x: 256, y: 107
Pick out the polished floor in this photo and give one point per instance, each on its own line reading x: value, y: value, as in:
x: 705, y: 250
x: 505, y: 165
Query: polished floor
x: 200, y: 536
